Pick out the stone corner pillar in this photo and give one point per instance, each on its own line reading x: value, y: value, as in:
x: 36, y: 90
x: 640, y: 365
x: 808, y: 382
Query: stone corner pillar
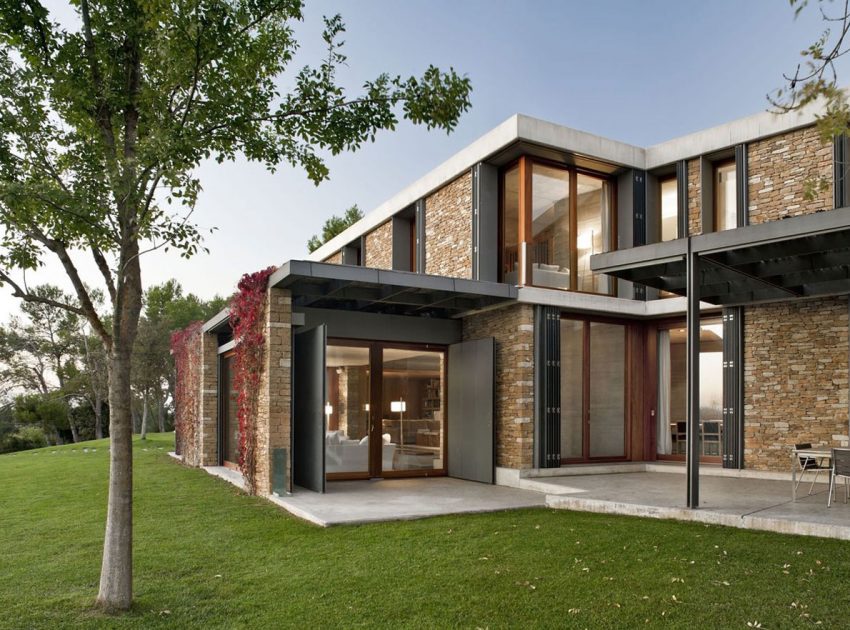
x: 208, y: 402
x: 275, y: 395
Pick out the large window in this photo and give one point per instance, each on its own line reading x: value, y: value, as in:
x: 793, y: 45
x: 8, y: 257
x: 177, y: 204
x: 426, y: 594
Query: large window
x: 725, y: 197
x: 554, y: 218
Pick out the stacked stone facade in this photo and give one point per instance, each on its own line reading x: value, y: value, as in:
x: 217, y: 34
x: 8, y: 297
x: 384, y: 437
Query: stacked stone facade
x: 512, y: 327
x: 448, y: 230
x: 334, y: 259
x: 795, y: 379
x: 207, y: 430
x: 694, y: 202
x: 779, y: 169
x: 379, y: 247
x: 274, y: 406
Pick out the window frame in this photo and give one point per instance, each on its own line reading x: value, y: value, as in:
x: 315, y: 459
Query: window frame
x: 525, y: 164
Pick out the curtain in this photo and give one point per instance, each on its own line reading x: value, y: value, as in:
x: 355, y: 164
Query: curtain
x: 664, y: 438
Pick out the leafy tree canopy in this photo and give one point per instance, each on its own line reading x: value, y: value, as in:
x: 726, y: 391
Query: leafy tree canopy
x: 334, y: 226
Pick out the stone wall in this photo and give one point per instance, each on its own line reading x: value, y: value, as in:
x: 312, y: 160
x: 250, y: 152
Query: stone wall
x: 795, y: 379
x: 779, y: 168
x: 448, y: 229
x: 275, y: 396
x: 379, y: 247
x: 694, y: 201
x: 334, y: 259
x: 207, y: 429
x: 513, y: 329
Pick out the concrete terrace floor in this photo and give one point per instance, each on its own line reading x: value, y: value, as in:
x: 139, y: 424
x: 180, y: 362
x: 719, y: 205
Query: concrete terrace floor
x: 374, y: 501
x: 737, y: 502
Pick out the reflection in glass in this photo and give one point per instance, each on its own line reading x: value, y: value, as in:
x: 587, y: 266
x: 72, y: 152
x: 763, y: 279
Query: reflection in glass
x: 593, y: 207
x: 550, y: 227
x: 672, y: 390
x: 412, y: 409
x: 347, y: 410
x: 510, y: 226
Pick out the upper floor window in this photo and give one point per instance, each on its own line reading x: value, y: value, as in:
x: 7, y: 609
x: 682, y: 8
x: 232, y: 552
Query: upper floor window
x: 669, y: 208
x: 554, y: 218
x: 725, y: 197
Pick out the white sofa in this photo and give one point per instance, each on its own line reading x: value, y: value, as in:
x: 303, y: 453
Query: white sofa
x: 343, y: 454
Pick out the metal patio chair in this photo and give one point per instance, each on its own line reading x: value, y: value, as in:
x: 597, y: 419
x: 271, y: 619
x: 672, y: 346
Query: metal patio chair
x: 840, y: 468
x: 808, y: 463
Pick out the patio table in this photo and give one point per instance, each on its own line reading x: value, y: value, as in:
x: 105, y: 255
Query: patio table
x: 822, y: 455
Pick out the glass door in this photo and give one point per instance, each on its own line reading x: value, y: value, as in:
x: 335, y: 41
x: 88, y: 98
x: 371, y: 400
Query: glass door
x: 230, y: 414
x: 347, y: 410
x: 385, y: 410
x: 671, y: 426
x: 593, y: 391
x: 413, y: 410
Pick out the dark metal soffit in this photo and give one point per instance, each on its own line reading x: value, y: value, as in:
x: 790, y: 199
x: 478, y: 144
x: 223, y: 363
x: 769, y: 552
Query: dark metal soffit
x: 799, y: 257
x: 345, y: 287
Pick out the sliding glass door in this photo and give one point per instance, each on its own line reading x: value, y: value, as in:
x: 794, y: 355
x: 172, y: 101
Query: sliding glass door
x: 671, y: 430
x: 593, y: 390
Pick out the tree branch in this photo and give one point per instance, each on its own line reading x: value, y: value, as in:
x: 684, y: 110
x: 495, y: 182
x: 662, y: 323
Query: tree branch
x: 103, y: 266
x: 24, y: 295
x: 87, y: 308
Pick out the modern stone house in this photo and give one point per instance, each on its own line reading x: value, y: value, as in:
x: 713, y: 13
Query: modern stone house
x: 521, y: 307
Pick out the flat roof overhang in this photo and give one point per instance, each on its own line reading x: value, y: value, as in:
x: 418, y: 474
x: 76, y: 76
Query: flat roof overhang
x: 793, y: 258
x: 325, y: 285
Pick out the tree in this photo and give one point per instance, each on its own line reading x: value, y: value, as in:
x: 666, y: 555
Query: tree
x: 102, y: 125
x: 816, y: 78
x: 38, y: 351
x: 335, y: 225
x: 166, y: 309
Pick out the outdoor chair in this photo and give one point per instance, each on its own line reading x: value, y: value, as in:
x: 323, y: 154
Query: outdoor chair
x: 808, y: 463
x: 840, y: 468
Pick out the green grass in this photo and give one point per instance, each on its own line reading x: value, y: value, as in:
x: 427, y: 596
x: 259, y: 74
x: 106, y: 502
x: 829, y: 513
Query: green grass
x: 208, y: 556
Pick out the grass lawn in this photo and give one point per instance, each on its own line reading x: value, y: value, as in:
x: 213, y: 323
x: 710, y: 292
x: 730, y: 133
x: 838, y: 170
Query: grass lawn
x: 208, y: 556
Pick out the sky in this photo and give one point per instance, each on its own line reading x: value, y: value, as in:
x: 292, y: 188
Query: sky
x: 637, y: 71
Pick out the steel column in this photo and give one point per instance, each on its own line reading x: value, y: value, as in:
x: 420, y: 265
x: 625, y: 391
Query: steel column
x: 693, y: 346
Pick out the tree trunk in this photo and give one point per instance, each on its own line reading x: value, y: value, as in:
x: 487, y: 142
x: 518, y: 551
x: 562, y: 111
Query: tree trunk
x: 144, y: 429
x: 75, y: 436
x: 116, y: 574
x: 98, y: 418
x: 160, y: 412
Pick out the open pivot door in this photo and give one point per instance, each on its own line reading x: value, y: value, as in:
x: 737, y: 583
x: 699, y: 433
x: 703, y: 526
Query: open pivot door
x: 470, y: 405
x: 308, y: 415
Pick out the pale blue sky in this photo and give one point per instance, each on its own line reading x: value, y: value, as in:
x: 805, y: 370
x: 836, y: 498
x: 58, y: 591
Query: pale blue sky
x: 640, y: 72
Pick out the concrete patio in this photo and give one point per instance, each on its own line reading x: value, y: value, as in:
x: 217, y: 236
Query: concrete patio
x: 747, y: 503
x: 374, y: 501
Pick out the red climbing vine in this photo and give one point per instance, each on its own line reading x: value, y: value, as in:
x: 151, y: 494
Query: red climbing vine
x: 186, y: 348
x: 246, y: 319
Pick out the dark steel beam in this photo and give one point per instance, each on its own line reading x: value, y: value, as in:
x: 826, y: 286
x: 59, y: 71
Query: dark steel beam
x: 693, y: 344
